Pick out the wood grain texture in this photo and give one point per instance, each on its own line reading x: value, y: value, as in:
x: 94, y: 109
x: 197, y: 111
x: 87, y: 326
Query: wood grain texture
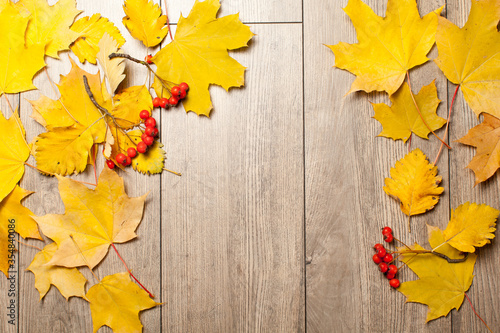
x: 233, y: 223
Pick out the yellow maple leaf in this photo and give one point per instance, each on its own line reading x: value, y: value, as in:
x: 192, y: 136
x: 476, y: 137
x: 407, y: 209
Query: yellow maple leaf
x: 486, y: 138
x: 14, y: 152
x: 69, y: 281
x: 14, y: 216
x: 145, y: 22
x: 471, y: 225
x: 114, y: 69
x: 414, y: 183
x: 18, y: 62
x: 49, y: 25
x: 93, y: 220
x: 441, y: 285
x: 91, y: 31
x: 469, y: 56
x: 402, y: 118
x: 198, y: 55
x: 388, y: 47
x: 116, y: 302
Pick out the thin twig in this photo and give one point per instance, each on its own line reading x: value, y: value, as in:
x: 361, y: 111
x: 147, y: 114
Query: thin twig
x: 175, y: 173
x: 440, y: 255
x: 420, y: 114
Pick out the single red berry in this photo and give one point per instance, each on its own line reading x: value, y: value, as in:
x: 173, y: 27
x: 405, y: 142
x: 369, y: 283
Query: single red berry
x: 184, y: 86
x: 390, y: 275
x: 386, y: 231
x: 383, y: 267
x: 164, y: 102
x: 148, y: 58
x: 131, y: 152
x: 143, y: 136
x: 155, y: 131
x: 142, y: 147
x: 394, y: 283
x: 110, y: 164
x: 149, y: 140
x: 150, y: 122
x: 144, y: 114
x: 128, y: 161
x: 156, y: 102
x: 381, y: 252
x: 377, y: 259
x: 388, y: 238
x: 121, y: 158
x: 377, y: 246
x: 175, y: 90
x: 388, y: 257
x: 182, y: 94
x: 149, y: 131
x: 173, y: 101
x: 393, y: 269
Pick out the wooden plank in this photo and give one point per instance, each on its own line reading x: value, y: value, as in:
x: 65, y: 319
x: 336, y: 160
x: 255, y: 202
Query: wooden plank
x: 142, y: 255
x: 232, y: 225
x: 346, y: 207
x: 486, y: 285
x: 249, y: 10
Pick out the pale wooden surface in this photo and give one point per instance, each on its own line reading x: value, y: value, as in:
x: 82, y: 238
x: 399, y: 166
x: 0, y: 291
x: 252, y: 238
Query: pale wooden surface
x: 286, y: 171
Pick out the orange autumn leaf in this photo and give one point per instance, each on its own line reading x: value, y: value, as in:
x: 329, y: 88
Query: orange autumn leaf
x: 486, y: 138
x: 414, y: 183
x: 388, y: 46
x: 469, y: 56
x: 93, y: 220
x: 402, y: 118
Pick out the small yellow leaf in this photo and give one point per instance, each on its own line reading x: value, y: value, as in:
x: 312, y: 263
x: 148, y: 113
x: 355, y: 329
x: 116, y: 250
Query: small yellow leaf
x: 128, y: 104
x: 198, y: 55
x: 402, y: 118
x: 145, y: 22
x: 14, y: 151
x: 18, y: 63
x: 414, y: 183
x: 64, y: 150
x: 471, y: 225
x: 441, y: 285
x: 14, y: 216
x: 114, y: 69
x: 94, y: 219
x: 69, y: 281
x: 50, y: 25
x: 469, y: 56
x: 388, y: 46
x: 116, y: 302
x: 91, y: 31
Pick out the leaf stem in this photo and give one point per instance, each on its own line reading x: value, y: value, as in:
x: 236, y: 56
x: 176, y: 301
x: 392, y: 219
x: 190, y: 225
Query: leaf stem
x: 168, y: 21
x: 175, y: 173
x: 29, y: 245
x: 489, y: 329
x: 420, y: 114
x: 128, y: 270
x: 447, y: 124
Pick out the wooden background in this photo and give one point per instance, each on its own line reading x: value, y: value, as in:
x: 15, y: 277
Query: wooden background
x: 270, y: 228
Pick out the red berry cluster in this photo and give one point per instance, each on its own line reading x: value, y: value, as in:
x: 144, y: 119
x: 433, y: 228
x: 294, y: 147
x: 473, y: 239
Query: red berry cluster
x: 178, y: 92
x: 384, y: 259
x: 147, y: 140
